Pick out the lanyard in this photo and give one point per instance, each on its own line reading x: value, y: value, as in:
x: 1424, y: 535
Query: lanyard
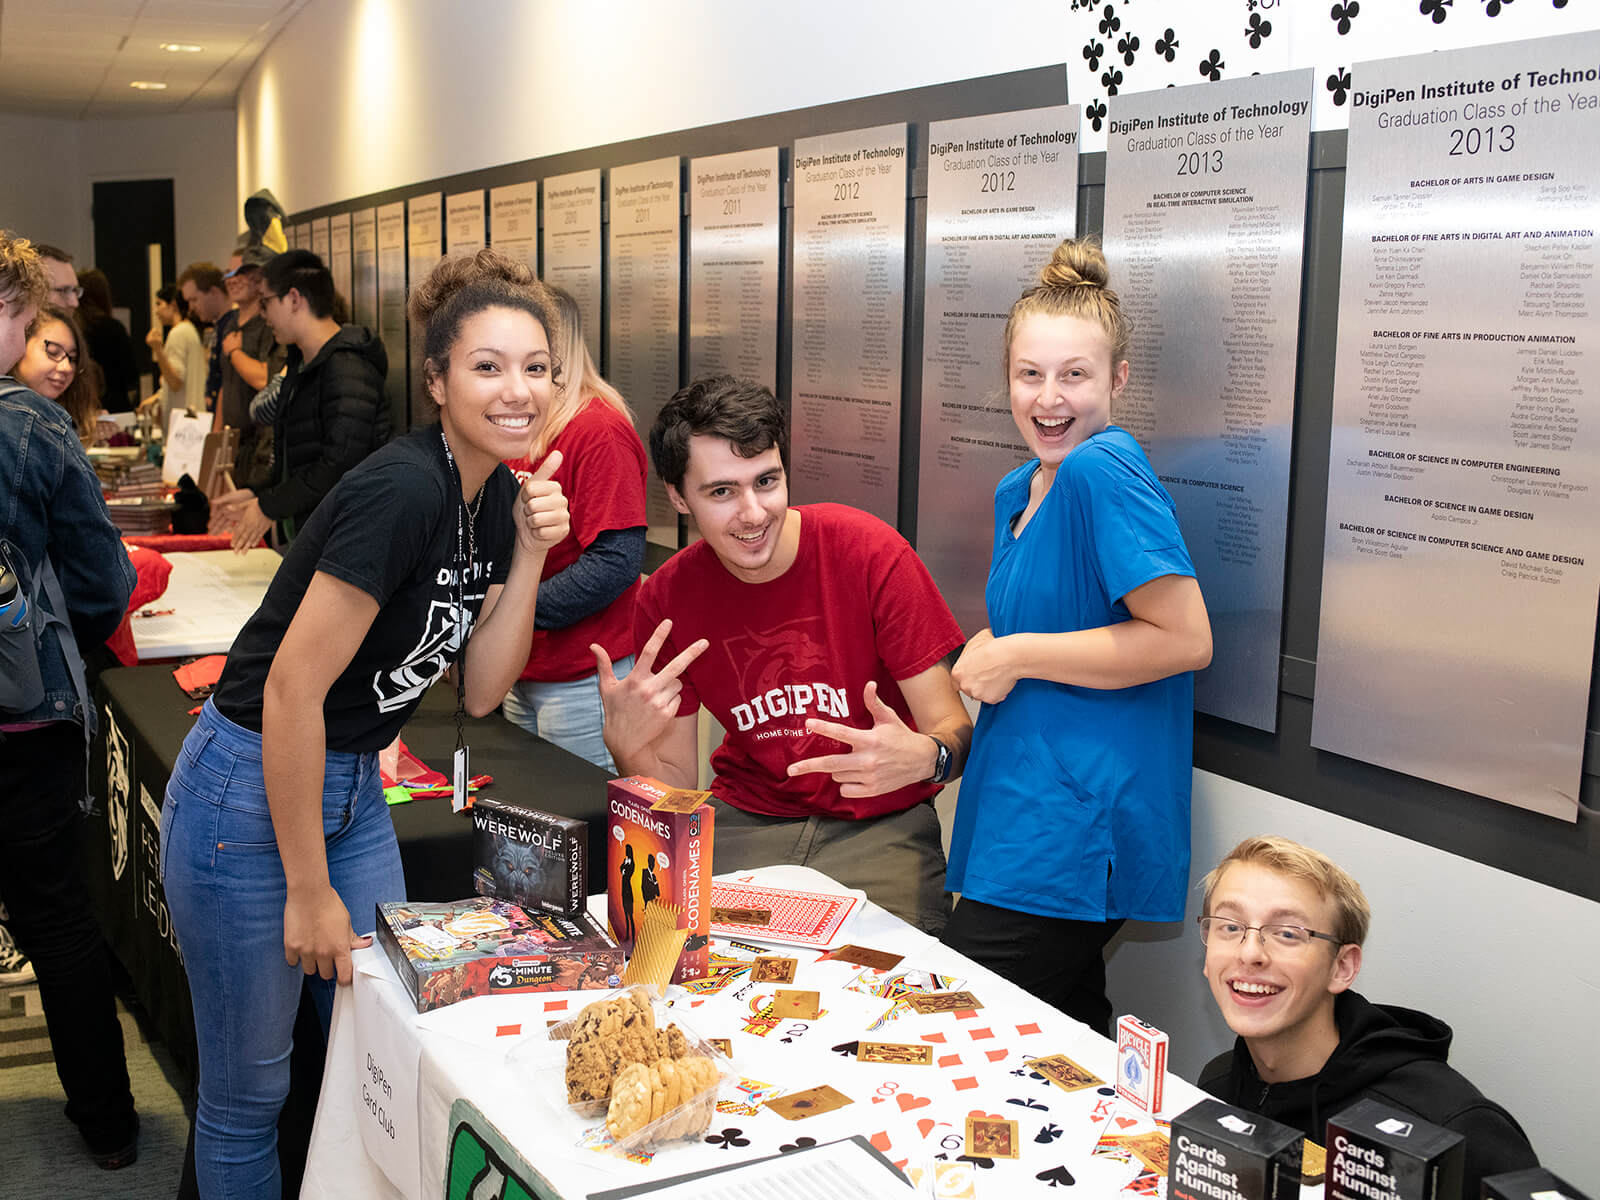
x: 465, y: 552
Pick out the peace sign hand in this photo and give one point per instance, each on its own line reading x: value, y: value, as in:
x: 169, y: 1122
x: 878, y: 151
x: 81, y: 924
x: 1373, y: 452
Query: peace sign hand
x: 640, y: 707
x: 887, y: 756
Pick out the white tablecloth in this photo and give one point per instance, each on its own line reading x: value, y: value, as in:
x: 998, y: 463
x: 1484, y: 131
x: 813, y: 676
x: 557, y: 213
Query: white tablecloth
x: 212, y: 594
x: 384, y: 1119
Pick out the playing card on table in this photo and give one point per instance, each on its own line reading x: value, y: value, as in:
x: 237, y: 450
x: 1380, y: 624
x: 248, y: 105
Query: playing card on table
x: 895, y: 1053
x: 790, y: 1002
x: 794, y: 917
x: 796, y: 1106
x: 863, y: 956
x: 1065, y: 1074
x: 769, y: 969
x: 941, y: 1002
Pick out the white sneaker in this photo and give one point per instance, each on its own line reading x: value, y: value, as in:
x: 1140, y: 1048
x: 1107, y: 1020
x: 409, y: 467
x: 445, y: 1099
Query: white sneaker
x: 14, y: 965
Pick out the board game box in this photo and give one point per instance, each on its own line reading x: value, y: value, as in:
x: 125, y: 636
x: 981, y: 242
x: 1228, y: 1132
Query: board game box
x: 532, y: 858
x: 658, y: 848
x: 488, y: 947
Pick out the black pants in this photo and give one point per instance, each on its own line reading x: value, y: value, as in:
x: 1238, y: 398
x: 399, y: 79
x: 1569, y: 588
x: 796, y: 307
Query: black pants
x: 1061, y: 962
x: 41, y: 882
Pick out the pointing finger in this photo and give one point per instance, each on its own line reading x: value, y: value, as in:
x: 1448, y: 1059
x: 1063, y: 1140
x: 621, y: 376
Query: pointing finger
x: 848, y: 734
x: 825, y: 764
x: 681, y: 664
x: 652, y: 647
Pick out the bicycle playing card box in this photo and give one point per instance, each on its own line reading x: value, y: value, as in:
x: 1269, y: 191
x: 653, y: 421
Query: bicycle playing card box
x: 532, y: 858
x: 487, y: 947
x: 1141, y: 1063
x: 658, y: 851
x: 1381, y: 1153
x: 1220, y: 1152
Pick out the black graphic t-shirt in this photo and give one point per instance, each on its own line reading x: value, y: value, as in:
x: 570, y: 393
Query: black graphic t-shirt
x: 388, y: 528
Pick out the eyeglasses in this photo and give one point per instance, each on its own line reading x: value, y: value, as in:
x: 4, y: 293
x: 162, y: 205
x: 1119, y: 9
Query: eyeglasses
x: 56, y: 352
x: 68, y: 291
x: 1275, y: 936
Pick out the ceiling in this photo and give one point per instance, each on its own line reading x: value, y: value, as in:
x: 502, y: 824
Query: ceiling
x: 78, y: 58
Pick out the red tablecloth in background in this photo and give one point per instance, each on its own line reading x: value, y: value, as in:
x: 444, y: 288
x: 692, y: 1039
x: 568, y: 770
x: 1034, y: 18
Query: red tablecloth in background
x: 153, y: 571
x: 168, y: 543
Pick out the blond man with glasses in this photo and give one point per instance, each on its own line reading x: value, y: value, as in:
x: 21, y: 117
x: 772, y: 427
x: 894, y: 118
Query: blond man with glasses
x: 1283, y: 928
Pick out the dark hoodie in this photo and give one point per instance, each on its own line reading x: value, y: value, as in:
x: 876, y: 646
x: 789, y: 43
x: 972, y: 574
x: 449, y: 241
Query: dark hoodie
x: 332, y: 415
x: 1396, y: 1056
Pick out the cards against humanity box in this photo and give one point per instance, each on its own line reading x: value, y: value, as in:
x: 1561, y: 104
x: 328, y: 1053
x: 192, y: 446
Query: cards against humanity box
x: 658, y: 851
x: 1224, y: 1153
x: 532, y: 858
x: 1141, y: 1063
x: 487, y: 947
x: 1380, y: 1153
x: 1535, y: 1183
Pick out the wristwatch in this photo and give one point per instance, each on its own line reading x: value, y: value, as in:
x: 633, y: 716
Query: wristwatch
x: 941, y: 763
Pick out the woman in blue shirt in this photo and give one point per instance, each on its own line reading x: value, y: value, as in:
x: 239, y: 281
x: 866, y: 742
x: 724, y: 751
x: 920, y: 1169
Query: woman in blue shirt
x: 1074, y: 809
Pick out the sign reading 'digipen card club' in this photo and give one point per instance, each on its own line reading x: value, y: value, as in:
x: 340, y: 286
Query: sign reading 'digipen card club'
x: 1462, y: 550
x: 1002, y: 192
x: 1204, y: 227
x: 849, y: 285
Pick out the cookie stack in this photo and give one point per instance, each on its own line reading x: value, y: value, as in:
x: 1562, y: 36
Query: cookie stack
x: 619, y: 1062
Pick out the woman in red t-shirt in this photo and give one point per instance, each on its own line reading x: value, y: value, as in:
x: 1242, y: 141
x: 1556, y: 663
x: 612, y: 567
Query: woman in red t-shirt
x: 591, y: 579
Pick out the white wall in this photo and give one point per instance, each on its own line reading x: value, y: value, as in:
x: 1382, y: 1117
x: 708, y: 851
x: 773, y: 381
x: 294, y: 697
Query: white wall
x: 358, y: 96
x: 52, y: 165
x: 39, y: 189
x: 1512, y: 966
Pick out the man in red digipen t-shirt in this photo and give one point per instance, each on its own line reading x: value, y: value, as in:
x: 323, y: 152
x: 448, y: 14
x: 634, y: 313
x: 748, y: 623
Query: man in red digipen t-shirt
x: 817, y: 638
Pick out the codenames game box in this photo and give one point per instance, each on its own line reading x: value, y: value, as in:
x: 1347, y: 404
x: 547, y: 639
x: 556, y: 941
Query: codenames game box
x: 658, y: 851
x: 1220, y: 1152
x: 532, y: 858
x: 1380, y: 1153
x: 488, y: 947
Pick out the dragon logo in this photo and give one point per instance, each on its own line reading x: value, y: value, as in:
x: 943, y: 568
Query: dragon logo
x: 118, y: 789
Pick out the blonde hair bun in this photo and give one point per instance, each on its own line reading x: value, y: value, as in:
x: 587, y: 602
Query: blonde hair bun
x: 1076, y: 263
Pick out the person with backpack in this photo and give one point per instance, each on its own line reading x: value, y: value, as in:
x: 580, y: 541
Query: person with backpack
x: 64, y: 585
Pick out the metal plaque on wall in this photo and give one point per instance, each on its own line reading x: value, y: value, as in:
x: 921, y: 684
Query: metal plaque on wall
x: 364, y: 267
x: 1002, y: 192
x: 463, y: 222
x: 321, y: 239
x: 642, y: 324
x: 572, y: 245
x: 1461, y: 556
x: 514, y: 221
x: 849, y: 317
x: 339, y: 256
x: 392, y: 305
x: 734, y: 230
x: 424, y: 249
x: 1205, y: 233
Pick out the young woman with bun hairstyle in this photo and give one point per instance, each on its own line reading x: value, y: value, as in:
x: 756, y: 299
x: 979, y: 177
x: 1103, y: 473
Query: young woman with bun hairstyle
x: 592, y: 578
x: 276, y: 843
x: 1074, y: 808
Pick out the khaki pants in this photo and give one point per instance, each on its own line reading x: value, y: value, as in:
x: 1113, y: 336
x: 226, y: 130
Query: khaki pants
x: 898, y: 859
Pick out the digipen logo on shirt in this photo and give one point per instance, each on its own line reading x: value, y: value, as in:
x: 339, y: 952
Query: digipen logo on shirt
x: 777, y: 675
x: 440, y: 641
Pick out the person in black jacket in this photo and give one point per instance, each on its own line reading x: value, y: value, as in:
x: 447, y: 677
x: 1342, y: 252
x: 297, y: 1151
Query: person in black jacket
x: 329, y: 412
x: 1283, y: 930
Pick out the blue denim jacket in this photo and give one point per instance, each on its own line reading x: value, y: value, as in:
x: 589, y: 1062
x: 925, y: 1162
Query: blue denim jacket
x: 52, y: 505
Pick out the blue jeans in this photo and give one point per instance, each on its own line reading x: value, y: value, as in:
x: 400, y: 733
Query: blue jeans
x: 567, y: 714
x: 226, y: 890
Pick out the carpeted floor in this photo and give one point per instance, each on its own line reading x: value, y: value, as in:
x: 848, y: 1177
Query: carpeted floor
x: 41, y: 1154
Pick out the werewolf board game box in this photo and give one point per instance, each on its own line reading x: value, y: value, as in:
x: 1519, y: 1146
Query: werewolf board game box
x: 658, y: 850
x: 489, y: 947
x: 531, y: 858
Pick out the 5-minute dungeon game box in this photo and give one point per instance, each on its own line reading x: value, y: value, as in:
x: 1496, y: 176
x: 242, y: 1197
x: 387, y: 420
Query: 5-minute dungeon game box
x: 658, y: 851
x: 485, y: 947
